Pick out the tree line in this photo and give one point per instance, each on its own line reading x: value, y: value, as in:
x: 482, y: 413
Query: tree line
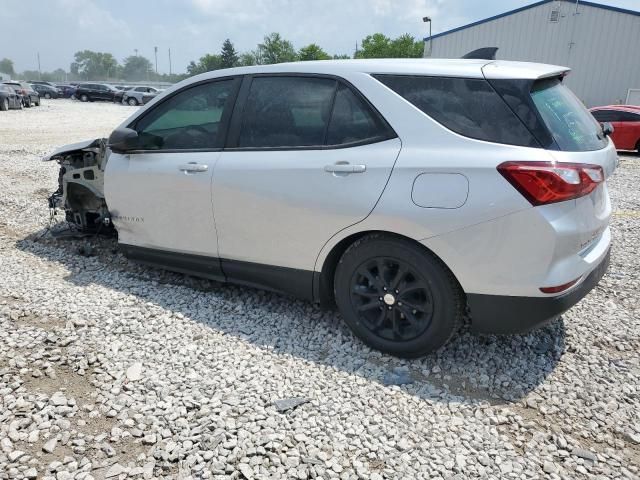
x: 276, y: 49
x: 90, y: 65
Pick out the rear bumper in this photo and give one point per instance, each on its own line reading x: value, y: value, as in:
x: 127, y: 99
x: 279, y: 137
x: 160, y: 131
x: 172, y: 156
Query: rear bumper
x: 506, y: 314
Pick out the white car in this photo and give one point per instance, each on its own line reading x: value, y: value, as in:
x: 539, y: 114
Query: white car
x: 134, y: 95
x: 404, y: 191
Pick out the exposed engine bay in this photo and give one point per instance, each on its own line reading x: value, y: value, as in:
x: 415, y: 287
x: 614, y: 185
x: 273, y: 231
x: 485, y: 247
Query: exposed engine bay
x: 80, y: 190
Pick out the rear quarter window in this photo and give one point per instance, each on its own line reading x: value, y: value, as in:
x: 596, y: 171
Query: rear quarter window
x: 467, y: 106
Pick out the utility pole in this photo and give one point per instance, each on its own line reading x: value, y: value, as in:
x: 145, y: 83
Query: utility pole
x: 155, y: 52
x: 39, y: 70
x: 136, y: 50
x: 170, y: 71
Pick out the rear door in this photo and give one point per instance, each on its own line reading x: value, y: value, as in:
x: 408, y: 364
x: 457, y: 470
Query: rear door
x: 307, y: 157
x: 160, y: 195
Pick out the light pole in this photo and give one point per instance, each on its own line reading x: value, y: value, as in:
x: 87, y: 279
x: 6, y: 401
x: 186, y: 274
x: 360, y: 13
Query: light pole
x: 170, y: 71
x: 428, y: 20
x: 155, y: 52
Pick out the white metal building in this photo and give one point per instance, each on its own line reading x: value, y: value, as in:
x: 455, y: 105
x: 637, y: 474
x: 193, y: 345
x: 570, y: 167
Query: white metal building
x: 601, y: 44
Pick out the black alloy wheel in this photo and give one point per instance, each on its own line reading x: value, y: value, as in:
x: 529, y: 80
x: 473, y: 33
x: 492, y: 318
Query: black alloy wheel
x: 397, y: 296
x: 392, y: 300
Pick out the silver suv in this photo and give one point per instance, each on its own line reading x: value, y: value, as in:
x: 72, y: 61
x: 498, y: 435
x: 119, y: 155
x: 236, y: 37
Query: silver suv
x: 134, y: 95
x: 404, y: 191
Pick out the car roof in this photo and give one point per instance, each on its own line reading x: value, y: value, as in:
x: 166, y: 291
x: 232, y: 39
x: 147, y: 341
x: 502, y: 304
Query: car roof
x: 467, y: 68
x: 619, y: 108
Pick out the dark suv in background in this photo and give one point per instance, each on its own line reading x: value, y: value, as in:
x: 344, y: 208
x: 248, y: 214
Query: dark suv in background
x: 91, y: 92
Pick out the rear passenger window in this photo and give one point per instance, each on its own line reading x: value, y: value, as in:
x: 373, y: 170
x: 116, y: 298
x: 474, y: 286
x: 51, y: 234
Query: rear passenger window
x: 353, y: 121
x: 289, y: 112
x: 466, y: 106
x: 286, y: 112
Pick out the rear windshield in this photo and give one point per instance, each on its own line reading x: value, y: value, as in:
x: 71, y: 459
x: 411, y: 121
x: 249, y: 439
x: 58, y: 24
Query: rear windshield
x: 572, y: 126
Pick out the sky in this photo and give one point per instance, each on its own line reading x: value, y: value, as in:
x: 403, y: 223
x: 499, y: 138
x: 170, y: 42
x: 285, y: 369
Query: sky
x: 190, y: 28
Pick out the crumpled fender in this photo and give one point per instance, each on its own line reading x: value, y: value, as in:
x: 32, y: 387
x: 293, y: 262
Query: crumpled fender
x: 88, y: 145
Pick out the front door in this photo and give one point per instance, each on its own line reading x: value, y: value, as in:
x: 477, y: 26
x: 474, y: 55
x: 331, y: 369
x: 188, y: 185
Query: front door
x: 309, y: 157
x: 160, y: 195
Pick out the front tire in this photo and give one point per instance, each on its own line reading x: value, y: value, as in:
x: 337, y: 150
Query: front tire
x: 4, y: 106
x: 84, y: 98
x: 47, y: 96
x: 27, y: 103
x: 397, y: 297
x: 132, y: 101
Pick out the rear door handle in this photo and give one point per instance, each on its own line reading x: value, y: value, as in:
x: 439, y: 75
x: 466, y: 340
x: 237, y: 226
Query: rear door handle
x: 345, y: 168
x: 193, y: 167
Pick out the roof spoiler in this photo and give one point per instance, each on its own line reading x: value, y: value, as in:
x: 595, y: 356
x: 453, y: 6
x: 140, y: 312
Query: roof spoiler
x: 484, y: 53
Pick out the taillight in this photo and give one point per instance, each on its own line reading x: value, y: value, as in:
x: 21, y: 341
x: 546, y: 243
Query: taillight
x: 559, y: 288
x: 550, y: 182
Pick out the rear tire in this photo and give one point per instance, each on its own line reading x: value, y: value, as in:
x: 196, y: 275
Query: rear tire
x: 397, y: 297
x: 47, y: 96
x: 27, y: 102
x: 4, y: 106
x: 132, y: 102
x: 84, y: 98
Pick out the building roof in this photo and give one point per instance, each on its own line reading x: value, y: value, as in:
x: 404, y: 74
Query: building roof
x: 533, y: 5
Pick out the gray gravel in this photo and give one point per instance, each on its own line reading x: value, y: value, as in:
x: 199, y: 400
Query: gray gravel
x: 112, y: 370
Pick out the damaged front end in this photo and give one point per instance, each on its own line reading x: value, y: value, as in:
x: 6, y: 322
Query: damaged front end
x: 81, y: 185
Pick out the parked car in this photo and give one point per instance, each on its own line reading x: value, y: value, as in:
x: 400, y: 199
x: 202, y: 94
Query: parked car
x: 46, y: 91
x: 9, y: 98
x: 403, y: 191
x: 29, y: 95
x: 91, y: 92
x: 68, y: 91
x: 147, y: 97
x: 41, y: 82
x: 134, y: 95
x: 121, y: 89
x: 625, y: 120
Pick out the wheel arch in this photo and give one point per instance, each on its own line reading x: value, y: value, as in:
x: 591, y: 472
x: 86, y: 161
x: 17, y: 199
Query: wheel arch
x: 324, y: 278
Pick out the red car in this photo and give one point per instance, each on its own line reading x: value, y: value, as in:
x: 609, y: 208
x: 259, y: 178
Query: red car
x: 626, y: 124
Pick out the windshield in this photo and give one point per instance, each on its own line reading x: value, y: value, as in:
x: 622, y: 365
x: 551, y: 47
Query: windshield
x: 572, y: 126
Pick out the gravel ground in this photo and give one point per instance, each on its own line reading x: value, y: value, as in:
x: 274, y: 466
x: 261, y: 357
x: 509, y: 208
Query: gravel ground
x: 112, y: 370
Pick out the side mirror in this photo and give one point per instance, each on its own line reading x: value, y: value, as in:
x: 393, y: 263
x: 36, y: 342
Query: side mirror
x: 607, y: 128
x: 123, y: 140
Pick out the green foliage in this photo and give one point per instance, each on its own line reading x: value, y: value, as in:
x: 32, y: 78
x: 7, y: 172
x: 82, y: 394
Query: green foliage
x: 206, y: 63
x: 381, y: 46
x: 91, y: 65
x: 312, y: 52
x: 275, y: 49
x: 228, y: 55
x: 247, y: 59
x: 344, y: 56
x: 6, y: 66
x: 136, y: 68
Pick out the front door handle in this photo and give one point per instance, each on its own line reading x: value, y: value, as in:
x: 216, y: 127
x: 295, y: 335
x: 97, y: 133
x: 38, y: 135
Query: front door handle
x: 345, y: 168
x: 193, y: 167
